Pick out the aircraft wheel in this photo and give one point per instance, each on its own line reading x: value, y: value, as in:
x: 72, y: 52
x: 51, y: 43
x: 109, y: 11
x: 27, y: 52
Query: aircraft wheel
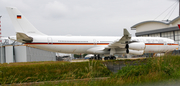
x: 114, y: 58
x: 106, y: 58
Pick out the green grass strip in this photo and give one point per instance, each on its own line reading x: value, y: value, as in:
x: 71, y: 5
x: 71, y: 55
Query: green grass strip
x: 50, y: 71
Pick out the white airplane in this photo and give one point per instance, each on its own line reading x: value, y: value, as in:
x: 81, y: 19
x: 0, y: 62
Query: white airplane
x: 99, y: 45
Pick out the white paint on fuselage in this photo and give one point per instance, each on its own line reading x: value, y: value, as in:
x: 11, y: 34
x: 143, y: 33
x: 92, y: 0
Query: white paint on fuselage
x: 95, y: 40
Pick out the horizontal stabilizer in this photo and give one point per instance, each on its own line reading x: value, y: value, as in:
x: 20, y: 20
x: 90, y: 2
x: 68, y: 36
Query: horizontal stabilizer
x: 21, y: 37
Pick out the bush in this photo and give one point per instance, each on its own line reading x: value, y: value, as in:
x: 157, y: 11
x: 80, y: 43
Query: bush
x: 155, y: 69
x: 48, y: 71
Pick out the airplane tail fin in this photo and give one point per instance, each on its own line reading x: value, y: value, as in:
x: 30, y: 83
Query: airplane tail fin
x: 21, y: 24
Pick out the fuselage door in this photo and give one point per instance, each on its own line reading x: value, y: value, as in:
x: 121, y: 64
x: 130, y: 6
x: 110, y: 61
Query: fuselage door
x: 165, y: 46
x: 95, y: 42
x: 50, y: 41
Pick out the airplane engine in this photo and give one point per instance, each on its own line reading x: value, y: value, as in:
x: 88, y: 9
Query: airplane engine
x: 135, y: 52
x: 135, y: 46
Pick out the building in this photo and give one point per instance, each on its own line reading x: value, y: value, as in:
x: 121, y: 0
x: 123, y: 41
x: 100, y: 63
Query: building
x: 16, y: 52
x: 167, y: 29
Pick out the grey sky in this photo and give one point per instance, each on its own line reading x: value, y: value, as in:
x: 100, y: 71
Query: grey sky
x: 84, y: 17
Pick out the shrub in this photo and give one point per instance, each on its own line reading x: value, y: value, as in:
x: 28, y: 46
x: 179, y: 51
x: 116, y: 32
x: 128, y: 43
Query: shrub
x: 48, y: 71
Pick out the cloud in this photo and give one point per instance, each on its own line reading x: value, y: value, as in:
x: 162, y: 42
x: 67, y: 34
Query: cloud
x: 84, y: 17
x: 55, y: 9
x: 18, y: 3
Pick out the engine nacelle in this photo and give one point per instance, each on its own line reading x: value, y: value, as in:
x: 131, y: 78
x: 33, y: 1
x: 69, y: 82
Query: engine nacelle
x: 136, y: 46
x: 135, y: 52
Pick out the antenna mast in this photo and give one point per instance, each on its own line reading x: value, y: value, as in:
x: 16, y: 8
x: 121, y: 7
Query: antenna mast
x: 0, y: 29
x: 179, y: 7
x: 1, y: 41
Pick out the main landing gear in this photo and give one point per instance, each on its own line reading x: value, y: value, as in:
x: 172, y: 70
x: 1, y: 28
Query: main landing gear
x: 110, y: 58
x: 99, y: 57
x: 96, y: 57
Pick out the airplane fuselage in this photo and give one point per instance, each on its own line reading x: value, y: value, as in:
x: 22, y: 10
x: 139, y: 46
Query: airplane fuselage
x: 81, y: 44
x: 28, y: 34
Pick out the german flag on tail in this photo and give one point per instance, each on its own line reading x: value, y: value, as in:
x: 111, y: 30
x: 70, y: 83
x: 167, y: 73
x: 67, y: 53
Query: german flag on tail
x: 18, y: 16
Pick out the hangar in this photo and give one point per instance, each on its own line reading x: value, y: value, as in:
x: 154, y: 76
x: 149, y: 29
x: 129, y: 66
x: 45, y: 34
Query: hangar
x: 165, y: 28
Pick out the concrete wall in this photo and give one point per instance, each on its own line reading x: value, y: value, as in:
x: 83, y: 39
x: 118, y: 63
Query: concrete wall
x: 20, y: 54
x: 25, y: 54
x: 9, y: 54
x: 34, y: 54
x: 2, y: 59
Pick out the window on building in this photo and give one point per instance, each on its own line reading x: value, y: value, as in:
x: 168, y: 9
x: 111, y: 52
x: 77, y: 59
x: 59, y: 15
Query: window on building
x: 177, y: 37
x: 154, y: 35
x: 168, y: 35
x: 144, y: 36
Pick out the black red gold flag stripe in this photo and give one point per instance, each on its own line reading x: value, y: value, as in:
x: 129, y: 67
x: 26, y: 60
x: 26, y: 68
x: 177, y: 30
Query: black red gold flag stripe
x: 18, y: 16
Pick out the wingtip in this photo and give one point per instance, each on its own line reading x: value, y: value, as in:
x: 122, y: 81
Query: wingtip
x: 126, y: 32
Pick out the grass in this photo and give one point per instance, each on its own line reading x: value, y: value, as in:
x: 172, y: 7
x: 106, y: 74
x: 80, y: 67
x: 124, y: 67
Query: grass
x: 164, y: 69
x: 50, y: 71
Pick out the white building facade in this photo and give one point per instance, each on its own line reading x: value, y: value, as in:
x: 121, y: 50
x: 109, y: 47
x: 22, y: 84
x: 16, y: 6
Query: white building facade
x: 167, y: 29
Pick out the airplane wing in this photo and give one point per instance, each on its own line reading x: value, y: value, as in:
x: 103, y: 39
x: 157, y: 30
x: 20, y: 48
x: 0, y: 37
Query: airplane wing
x: 122, y: 46
x: 121, y: 42
x: 126, y: 46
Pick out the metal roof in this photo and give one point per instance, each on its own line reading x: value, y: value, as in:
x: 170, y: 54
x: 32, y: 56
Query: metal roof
x: 163, y: 22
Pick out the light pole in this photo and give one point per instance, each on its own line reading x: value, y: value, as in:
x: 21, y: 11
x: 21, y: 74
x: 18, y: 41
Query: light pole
x: 1, y: 41
x: 179, y: 7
